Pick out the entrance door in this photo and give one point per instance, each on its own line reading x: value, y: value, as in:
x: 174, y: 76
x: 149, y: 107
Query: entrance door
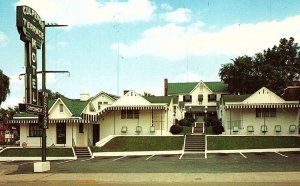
x: 96, y: 133
x: 61, y: 133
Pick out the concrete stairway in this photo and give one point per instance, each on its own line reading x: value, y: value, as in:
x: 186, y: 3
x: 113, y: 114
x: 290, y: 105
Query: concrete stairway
x: 195, y: 143
x: 198, y: 128
x: 82, y: 152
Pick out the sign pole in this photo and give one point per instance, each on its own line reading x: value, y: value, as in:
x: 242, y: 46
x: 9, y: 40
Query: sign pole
x: 45, y: 115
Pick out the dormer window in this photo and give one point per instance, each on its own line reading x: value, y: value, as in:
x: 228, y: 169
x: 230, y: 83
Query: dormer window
x: 187, y: 98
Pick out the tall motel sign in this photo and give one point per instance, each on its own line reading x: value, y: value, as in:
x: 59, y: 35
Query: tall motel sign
x: 32, y: 32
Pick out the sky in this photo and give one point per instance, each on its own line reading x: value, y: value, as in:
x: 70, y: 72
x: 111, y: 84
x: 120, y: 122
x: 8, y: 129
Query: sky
x: 116, y: 45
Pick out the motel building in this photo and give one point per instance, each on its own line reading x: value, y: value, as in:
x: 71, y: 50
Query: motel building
x: 195, y: 100
x: 261, y: 113
x: 85, y: 121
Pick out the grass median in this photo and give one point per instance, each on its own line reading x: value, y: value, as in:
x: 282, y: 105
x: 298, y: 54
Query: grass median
x: 251, y: 142
x: 142, y: 143
x: 36, y: 152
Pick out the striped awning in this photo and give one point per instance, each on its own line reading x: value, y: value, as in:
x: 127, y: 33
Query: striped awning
x: 66, y: 120
x: 137, y: 107
x: 250, y: 106
x: 89, y: 117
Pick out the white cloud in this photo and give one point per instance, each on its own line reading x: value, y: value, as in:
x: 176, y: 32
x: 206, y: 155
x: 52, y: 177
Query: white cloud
x: 180, y: 15
x: 172, y: 41
x: 3, y: 39
x: 87, y: 12
x: 15, y: 82
x: 166, y: 6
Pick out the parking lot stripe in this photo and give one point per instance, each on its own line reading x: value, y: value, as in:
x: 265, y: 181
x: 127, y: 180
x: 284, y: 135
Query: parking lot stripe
x: 119, y: 158
x: 87, y: 159
x: 282, y: 154
x: 243, y: 155
x: 181, y: 156
x: 2, y: 172
x: 64, y: 162
x: 150, y: 157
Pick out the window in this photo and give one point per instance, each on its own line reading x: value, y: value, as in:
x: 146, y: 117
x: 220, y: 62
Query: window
x: 35, y: 130
x: 80, y: 127
x: 105, y: 103
x: 265, y: 112
x: 99, y: 105
x: 130, y: 114
x: 200, y: 97
x: 61, y: 107
x: 187, y: 98
x: 212, y: 97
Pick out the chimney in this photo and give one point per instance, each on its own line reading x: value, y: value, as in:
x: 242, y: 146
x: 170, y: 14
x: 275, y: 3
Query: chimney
x: 166, y: 87
x: 126, y: 91
x: 84, y: 96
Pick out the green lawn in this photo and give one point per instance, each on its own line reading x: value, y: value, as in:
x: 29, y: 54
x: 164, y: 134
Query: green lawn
x: 142, y: 143
x: 251, y: 142
x: 36, y: 152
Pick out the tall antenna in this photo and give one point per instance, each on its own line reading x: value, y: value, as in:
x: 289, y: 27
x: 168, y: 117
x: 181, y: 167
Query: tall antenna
x: 187, y: 64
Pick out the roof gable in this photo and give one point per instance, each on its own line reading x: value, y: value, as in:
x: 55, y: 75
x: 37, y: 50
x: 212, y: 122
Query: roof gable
x: 131, y: 98
x: 158, y: 99
x: 112, y: 97
x: 187, y: 87
x: 200, y: 86
x: 263, y: 95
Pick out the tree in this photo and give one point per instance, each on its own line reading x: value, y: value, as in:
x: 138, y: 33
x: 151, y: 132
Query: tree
x: 274, y: 68
x: 53, y: 95
x: 4, y: 87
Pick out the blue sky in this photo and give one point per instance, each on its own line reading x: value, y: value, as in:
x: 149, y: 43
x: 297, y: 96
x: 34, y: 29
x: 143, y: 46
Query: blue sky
x: 151, y: 39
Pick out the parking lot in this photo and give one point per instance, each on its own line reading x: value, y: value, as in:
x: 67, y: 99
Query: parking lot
x: 215, y: 163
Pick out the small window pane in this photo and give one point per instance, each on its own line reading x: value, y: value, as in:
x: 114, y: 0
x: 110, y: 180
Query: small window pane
x: 129, y: 114
x: 123, y: 114
x: 136, y: 114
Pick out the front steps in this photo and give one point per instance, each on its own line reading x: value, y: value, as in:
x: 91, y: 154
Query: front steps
x: 195, y: 144
x: 82, y: 152
x: 198, y: 128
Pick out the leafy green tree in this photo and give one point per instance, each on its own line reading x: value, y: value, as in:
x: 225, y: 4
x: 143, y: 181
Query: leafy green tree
x: 4, y: 87
x: 274, y: 68
x: 53, y: 95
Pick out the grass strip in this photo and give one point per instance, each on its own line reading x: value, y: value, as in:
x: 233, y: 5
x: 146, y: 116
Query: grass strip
x: 37, y: 152
x: 142, y: 143
x: 251, y: 142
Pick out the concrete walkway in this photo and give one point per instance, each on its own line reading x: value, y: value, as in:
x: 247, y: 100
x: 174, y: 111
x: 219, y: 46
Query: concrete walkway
x: 279, y: 178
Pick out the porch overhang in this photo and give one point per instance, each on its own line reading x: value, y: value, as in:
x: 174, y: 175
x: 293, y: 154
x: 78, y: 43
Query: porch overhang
x: 134, y: 107
x: 35, y: 120
x: 254, y: 106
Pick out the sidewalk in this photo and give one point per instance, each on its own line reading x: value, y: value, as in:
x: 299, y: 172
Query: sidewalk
x: 290, y: 178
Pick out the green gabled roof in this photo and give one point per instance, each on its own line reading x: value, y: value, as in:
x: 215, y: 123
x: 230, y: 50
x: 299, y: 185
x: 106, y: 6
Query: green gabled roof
x: 184, y: 88
x: 217, y: 86
x: 74, y: 105
x: 181, y: 88
x: 235, y: 98
x: 158, y: 99
x: 24, y: 114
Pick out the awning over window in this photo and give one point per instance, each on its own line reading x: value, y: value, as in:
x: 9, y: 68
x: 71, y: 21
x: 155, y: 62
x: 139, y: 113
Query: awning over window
x: 200, y: 108
x: 138, y: 107
x: 249, y: 106
x: 66, y: 120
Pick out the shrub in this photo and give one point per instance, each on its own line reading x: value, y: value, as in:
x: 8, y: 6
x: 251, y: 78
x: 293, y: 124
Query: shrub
x: 218, y: 129
x: 185, y: 122
x: 176, y: 129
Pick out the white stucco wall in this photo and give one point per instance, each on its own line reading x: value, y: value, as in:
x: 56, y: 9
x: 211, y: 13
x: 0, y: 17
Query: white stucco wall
x: 284, y: 118
x: 81, y: 139
x: 111, y: 125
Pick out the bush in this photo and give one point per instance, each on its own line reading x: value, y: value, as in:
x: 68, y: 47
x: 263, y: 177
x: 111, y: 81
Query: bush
x: 185, y: 122
x: 218, y: 129
x: 176, y: 129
